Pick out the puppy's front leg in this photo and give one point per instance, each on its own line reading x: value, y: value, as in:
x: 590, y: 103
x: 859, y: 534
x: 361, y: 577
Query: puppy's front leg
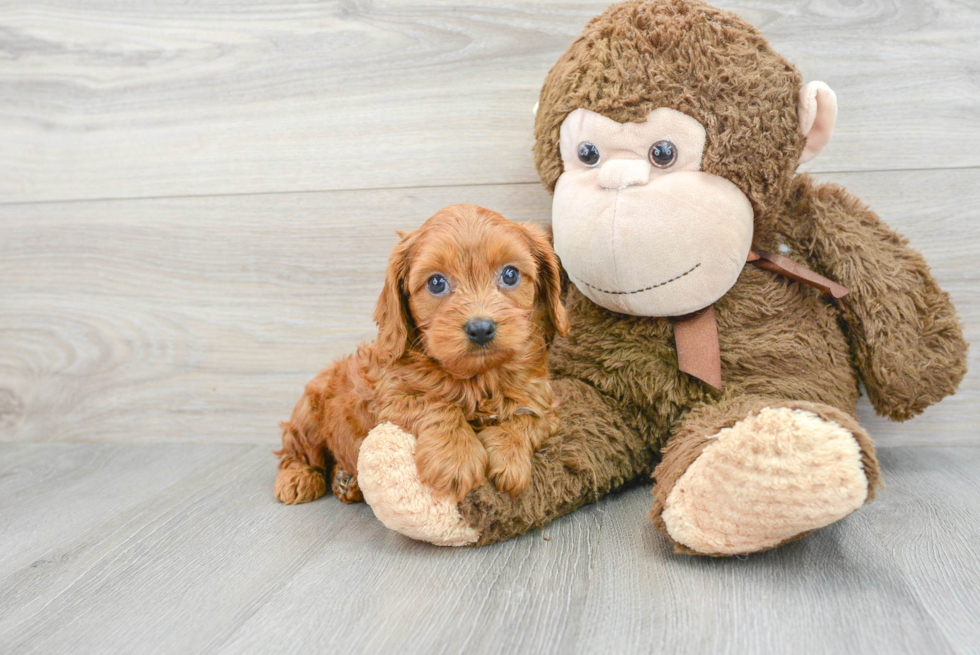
x: 511, y: 445
x: 450, y: 459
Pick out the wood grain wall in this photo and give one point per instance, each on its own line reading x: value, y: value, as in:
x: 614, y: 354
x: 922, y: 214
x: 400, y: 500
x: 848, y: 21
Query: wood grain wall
x: 197, y: 199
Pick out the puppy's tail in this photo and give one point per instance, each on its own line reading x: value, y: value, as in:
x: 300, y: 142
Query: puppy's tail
x: 302, y: 464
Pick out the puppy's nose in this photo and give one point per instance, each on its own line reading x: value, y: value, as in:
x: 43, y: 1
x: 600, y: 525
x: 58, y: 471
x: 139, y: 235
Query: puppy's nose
x: 621, y: 173
x: 480, y: 330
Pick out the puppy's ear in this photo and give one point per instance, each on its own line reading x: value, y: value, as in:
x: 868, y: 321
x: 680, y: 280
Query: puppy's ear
x: 549, y: 280
x: 392, y: 313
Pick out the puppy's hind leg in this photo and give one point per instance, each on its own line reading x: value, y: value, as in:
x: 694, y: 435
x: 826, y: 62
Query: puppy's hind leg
x: 345, y: 485
x: 302, y: 463
x: 299, y: 483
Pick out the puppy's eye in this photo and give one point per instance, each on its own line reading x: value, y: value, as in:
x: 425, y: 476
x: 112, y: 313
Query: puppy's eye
x: 588, y: 154
x: 437, y: 285
x: 510, y: 276
x: 663, y: 154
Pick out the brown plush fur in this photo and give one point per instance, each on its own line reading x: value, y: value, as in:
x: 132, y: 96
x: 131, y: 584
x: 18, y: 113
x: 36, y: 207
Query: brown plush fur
x: 621, y: 395
x: 476, y: 411
x: 702, y: 61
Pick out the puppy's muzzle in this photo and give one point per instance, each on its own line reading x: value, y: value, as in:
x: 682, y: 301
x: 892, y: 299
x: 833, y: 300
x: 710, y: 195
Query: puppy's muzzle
x: 480, y: 330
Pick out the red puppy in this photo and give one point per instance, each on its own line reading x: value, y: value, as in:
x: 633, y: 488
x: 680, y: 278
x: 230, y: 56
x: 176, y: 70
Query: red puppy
x: 468, y: 307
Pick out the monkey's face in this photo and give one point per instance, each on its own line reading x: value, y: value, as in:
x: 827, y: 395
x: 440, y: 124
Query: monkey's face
x: 640, y: 229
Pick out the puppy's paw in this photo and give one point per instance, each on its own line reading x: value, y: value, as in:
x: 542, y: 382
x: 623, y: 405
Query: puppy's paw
x: 510, y: 464
x: 299, y: 484
x: 345, y: 486
x: 451, y: 468
x: 510, y: 475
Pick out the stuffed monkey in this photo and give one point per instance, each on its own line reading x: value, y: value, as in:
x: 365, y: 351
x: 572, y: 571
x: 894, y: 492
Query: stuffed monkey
x: 669, y: 134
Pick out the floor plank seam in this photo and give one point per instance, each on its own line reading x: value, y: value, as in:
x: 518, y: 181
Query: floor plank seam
x: 419, y: 187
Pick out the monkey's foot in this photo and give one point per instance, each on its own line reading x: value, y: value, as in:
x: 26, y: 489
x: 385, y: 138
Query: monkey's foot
x: 770, y: 478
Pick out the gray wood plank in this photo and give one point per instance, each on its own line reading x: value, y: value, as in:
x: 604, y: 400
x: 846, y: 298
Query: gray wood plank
x: 604, y: 581
x: 120, y: 99
x: 51, y: 492
x: 200, y: 319
x: 174, y: 573
x: 213, y: 564
x: 931, y: 525
x: 82, y: 502
x: 837, y: 591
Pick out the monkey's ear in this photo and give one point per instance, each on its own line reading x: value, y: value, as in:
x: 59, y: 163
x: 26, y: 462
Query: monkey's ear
x: 818, y: 113
x: 391, y: 313
x: 548, y: 291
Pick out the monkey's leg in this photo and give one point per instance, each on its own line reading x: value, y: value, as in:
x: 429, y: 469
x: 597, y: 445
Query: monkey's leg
x: 750, y: 474
x: 594, y: 452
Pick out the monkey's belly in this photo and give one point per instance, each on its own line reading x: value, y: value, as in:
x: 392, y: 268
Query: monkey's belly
x: 777, y: 337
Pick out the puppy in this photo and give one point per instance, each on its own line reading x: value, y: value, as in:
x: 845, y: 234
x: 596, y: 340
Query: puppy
x: 469, y: 305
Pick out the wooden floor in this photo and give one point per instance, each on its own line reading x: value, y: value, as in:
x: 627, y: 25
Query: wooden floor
x: 196, y: 205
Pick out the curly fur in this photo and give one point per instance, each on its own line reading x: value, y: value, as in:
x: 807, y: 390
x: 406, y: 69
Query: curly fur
x: 476, y: 411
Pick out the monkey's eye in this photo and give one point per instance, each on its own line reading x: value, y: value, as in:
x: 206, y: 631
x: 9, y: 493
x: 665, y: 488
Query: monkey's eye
x: 588, y: 154
x: 510, y: 276
x: 663, y: 154
x: 437, y: 285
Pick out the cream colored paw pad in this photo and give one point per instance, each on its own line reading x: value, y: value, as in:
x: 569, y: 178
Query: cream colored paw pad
x: 390, y: 483
x: 765, y: 480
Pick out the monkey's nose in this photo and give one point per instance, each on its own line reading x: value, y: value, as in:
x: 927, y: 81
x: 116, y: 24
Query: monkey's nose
x: 621, y: 173
x: 480, y: 330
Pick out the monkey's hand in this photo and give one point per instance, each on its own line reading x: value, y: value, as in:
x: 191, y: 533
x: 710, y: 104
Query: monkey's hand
x: 904, y: 332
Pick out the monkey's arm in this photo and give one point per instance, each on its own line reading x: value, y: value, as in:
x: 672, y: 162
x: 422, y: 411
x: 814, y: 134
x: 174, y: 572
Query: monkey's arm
x: 904, y: 332
x: 597, y: 449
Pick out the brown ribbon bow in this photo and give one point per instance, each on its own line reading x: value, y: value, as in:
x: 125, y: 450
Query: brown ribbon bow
x: 696, y: 335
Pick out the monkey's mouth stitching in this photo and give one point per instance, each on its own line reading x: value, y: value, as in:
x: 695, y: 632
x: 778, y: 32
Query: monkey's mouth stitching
x: 627, y: 293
